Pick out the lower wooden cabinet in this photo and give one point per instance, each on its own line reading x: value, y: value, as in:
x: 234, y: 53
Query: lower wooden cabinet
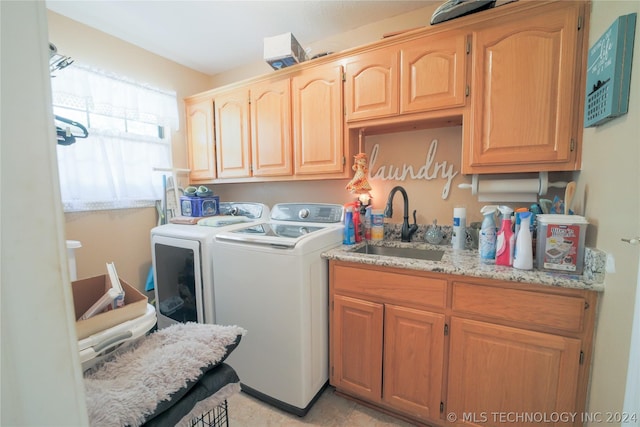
x: 413, y: 357
x: 442, y: 350
x: 357, y: 346
x: 497, y: 372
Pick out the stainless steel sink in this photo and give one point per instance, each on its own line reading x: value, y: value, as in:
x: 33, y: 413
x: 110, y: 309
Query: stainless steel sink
x: 415, y: 253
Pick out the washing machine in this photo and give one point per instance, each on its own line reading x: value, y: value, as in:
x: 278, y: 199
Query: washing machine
x: 183, y: 263
x: 271, y: 280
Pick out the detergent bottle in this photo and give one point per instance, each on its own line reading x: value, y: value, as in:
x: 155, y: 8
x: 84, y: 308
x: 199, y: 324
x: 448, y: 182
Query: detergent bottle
x: 506, y: 239
x: 523, y: 256
x: 487, y: 238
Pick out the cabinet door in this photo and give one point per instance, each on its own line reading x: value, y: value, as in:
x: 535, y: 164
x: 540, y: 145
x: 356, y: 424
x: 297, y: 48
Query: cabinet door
x: 497, y: 371
x: 371, y: 84
x: 525, y: 84
x: 356, y: 346
x: 413, y: 360
x: 200, y: 144
x: 271, y: 150
x: 233, y: 151
x: 318, y: 120
x: 433, y: 72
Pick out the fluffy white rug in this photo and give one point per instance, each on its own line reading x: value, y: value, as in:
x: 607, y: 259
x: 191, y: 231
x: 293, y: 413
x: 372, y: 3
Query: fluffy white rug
x: 128, y: 388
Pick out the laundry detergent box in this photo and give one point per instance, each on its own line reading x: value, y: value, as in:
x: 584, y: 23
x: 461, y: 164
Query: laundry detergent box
x: 199, y: 206
x: 560, y: 243
x: 87, y: 291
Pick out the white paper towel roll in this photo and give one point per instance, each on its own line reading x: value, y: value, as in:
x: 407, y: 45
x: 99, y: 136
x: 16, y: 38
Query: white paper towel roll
x: 507, y: 197
x: 509, y: 186
x: 511, y: 190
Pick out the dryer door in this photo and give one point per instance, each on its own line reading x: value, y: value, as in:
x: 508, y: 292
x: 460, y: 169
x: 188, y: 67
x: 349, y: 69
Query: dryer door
x: 177, y: 274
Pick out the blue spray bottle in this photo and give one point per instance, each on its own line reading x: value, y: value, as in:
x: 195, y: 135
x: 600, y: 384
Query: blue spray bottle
x: 349, y: 228
x: 487, y: 237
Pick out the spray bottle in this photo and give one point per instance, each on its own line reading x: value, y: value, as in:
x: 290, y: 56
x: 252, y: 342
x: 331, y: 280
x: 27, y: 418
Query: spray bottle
x: 487, y: 238
x: 349, y: 230
x: 357, y: 221
x: 523, y: 256
x: 506, y: 239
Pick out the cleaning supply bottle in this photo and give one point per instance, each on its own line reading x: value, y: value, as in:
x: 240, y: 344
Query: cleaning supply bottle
x: 367, y: 223
x: 459, y: 235
x: 523, y: 256
x: 349, y: 229
x: 505, y: 239
x: 357, y: 226
x: 487, y: 238
x: 517, y: 218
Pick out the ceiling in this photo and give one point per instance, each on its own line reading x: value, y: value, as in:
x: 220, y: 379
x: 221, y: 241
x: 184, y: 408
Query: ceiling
x: 213, y: 36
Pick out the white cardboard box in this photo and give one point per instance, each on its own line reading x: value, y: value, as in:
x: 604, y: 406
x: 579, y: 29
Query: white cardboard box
x: 283, y: 51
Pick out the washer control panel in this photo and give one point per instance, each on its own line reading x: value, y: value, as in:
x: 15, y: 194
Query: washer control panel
x: 307, y: 212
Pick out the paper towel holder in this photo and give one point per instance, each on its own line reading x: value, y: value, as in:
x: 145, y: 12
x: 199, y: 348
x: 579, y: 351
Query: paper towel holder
x: 542, y: 188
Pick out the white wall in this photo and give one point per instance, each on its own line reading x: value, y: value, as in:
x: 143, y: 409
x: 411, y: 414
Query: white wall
x: 41, y: 378
x: 608, y: 189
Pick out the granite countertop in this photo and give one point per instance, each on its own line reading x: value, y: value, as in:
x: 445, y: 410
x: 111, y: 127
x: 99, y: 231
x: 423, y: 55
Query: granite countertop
x: 467, y: 263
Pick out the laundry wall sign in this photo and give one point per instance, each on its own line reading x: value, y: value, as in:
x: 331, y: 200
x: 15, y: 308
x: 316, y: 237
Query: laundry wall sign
x: 429, y: 170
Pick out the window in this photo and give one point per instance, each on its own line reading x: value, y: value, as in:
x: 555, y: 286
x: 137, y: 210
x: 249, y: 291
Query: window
x: 129, y: 127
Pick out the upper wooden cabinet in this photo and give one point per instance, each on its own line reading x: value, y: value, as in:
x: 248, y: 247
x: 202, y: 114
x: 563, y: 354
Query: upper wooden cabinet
x: 271, y: 147
x: 371, y: 84
x: 423, y: 74
x: 527, y: 91
x: 318, y: 121
x: 432, y: 72
x: 233, y: 144
x: 253, y: 131
x: 513, y: 76
x: 201, y: 150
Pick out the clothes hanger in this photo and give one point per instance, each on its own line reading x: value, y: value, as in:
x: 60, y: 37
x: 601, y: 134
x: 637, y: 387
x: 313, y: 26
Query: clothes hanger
x: 65, y: 136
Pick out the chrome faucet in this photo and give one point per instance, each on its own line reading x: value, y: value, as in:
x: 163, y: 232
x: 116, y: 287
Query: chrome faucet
x: 407, y: 230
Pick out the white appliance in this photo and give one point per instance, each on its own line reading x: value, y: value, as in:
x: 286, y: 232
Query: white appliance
x: 271, y: 280
x: 183, y: 264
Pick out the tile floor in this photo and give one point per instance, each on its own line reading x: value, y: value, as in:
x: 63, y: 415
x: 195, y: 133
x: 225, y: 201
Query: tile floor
x: 330, y: 410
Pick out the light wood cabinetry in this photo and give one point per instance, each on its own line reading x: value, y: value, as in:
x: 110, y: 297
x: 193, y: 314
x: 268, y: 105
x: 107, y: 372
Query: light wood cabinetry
x: 425, y: 345
x: 427, y: 73
x: 233, y: 143
x: 201, y: 149
x: 433, y: 72
x: 527, y: 91
x: 318, y: 121
x: 413, y: 357
x: 497, y: 372
x: 271, y: 147
x: 253, y: 131
x: 372, y: 84
x: 357, y: 346
x: 373, y: 325
x: 512, y: 76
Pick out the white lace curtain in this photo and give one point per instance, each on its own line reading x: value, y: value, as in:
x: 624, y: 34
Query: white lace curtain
x: 113, y: 167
